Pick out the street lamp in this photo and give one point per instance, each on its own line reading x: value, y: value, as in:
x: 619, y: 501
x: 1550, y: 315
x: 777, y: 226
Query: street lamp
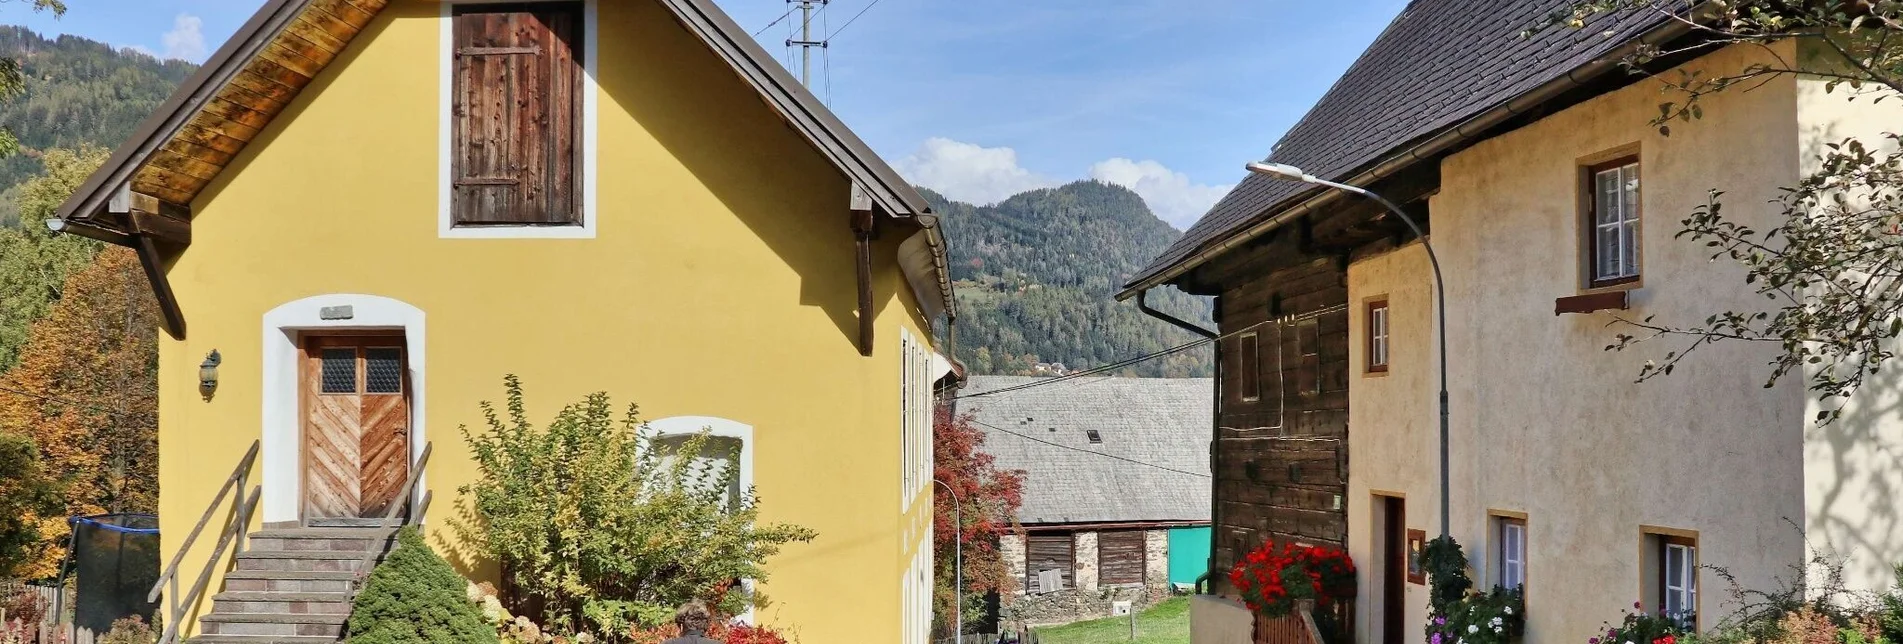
x: 958, y: 561
x: 1291, y: 173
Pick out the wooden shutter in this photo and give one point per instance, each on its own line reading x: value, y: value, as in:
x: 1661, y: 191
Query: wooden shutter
x: 516, y: 107
x: 1120, y: 557
x: 1047, y: 552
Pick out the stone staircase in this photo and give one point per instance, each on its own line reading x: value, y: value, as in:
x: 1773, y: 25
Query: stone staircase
x: 292, y: 586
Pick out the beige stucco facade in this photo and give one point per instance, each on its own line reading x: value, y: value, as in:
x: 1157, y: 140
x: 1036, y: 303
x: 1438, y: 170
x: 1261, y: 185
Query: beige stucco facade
x: 1548, y: 424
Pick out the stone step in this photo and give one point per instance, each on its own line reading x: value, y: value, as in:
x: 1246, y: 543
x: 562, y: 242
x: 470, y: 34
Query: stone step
x: 289, y: 581
x: 281, y: 602
x: 304, y: 560
x: 278, y: 624
x: 262, y: 639
x: 337, y: 539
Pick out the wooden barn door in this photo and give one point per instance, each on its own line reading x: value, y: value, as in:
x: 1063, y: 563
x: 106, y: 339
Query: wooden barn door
x: 356, y: 427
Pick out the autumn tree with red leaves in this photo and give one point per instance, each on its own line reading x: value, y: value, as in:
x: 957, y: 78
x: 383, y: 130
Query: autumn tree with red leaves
x: 991, y: 498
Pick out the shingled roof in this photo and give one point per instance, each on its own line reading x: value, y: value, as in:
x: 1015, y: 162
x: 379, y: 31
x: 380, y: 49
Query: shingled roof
x: 1440, y: 63
x: 1156, y: 421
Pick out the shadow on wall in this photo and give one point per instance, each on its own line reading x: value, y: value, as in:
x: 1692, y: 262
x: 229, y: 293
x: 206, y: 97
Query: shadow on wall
x: 1856, y: 465
x: 767, y: 174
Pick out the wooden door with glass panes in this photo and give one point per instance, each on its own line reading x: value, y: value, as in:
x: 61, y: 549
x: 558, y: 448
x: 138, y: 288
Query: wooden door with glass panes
x: 356, y: 423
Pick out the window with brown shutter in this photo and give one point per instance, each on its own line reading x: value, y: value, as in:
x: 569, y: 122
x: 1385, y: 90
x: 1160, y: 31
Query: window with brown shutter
x: 1047, y: 552
x: 1120, y: 557
x: 516, y: 108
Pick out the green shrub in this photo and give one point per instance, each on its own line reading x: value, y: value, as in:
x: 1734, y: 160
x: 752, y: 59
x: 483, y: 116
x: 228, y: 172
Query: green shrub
x: 587, y: 514
x: 414, y: 596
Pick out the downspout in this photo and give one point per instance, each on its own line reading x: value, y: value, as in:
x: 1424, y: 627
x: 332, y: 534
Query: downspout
x: 1215, y: 427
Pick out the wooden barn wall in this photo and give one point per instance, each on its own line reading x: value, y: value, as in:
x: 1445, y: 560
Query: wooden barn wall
x: 1281, y: 460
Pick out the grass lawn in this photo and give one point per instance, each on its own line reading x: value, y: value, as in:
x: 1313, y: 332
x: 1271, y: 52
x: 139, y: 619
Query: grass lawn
x: 1165, y: 623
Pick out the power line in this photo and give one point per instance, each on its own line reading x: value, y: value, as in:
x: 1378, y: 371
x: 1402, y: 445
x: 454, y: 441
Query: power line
x: 776, y: 21
x: 1079, y: 449
x: 855, y: 18
x: 1115, y: 365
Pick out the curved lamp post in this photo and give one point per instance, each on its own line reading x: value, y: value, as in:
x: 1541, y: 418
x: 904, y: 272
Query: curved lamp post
x: 1291, y: 173
x: 958, y: 561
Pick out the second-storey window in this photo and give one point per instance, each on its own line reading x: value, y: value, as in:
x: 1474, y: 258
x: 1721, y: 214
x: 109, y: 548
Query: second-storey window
x: 1613, y: 234
x: 516, y: 114
x: 1249, y: 367
x: 1378, y: 336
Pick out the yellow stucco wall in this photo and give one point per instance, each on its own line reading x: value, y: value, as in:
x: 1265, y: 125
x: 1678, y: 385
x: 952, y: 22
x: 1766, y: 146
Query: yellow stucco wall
x: 1544, y: 420
x: 720, y: 284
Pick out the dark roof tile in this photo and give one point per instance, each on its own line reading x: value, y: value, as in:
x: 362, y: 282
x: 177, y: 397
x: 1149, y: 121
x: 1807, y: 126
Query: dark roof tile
x: 1439, y: 63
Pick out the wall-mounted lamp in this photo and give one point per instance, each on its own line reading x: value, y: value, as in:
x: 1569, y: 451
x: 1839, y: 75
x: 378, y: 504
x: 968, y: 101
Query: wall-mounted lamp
x: 208, y: 375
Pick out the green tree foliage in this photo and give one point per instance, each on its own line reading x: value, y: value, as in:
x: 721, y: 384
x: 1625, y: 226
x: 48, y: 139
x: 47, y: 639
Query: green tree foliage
x: 34, y: 262
x: 13, y: 76
x: 414, y: 597
x: 27, y: 490
x: 607, y: 525
x: 1830, y: 267
x: 69, y: 92
x: 1037, y: 274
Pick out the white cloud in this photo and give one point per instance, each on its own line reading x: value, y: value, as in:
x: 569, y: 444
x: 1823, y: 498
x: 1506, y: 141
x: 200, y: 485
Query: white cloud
x: 980, y: 175
x: 1171, y: 195
x: 970, y: 173
x: 186, y: 40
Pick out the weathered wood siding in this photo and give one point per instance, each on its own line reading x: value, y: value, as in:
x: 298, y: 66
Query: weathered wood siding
x: 1120, y: 557
x: 1281, y: 458
x: 1048, y: 552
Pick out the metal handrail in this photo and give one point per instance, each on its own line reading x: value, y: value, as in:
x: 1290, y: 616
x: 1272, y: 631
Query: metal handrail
x: 238, y: 475
x: 409, y: 492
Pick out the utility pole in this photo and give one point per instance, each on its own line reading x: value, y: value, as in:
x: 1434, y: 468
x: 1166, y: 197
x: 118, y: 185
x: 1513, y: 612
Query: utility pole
x: 806, y: 42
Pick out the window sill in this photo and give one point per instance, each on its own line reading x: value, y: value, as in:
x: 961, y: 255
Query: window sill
x: 1593, y: 302
x: 517, y: 232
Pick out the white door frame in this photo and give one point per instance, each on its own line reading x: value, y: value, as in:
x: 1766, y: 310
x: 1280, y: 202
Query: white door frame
x: 282, y: 441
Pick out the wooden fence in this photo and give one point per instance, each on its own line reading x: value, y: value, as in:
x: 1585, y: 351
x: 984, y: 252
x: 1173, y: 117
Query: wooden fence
x: 54, y: 627
x: 1303, y: 627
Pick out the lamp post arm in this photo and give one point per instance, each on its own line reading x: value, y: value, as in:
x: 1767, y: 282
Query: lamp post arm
x: 1440, y: 309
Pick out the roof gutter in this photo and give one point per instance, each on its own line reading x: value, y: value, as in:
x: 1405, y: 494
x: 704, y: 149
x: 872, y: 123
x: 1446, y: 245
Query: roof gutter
x: 1469, y: 130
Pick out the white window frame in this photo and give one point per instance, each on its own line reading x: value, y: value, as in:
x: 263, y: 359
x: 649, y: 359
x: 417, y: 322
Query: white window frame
x: 446, y: 227
x: 1680, y: 597
x: 1620, y: 223
x: 1378, y: 335
x: 718, y: 428
x: 1511, y: 552
x: 915, y: 417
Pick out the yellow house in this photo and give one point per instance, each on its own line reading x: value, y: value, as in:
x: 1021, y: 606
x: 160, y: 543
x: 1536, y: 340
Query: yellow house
x: 370, y: 211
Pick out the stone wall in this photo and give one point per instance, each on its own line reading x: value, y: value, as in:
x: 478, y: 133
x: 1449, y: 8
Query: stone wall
x: 1084, y: 567
x: 1086, y: 599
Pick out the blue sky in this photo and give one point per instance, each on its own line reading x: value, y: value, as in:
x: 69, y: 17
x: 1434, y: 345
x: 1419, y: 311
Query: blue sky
x: 980, y: 99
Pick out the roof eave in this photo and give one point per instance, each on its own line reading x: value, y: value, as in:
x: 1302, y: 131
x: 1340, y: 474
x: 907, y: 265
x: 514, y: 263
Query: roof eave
x: 1468, y: 130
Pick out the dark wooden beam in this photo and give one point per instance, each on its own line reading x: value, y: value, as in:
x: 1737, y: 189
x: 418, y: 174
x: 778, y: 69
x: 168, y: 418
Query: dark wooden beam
x: 149, y: 258
x: 863, y: 226
x: 169, y: 230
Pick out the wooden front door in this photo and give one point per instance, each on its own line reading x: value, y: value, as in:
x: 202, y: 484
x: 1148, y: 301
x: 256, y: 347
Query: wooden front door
x: 356, y: 407
x: 1393, y: 549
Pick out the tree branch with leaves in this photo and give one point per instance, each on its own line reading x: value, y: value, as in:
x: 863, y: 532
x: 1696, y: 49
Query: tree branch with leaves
x: 1828, y: 267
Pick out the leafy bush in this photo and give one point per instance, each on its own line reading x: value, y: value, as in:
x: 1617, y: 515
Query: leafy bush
x: 1446, y: 567
x: 414, y: 596
x: 131, y: 630
x: 1640, y: 627
x: 1495, y: 617
x: 588, y: 516
x: 24, y: 605
x: 725, y: 634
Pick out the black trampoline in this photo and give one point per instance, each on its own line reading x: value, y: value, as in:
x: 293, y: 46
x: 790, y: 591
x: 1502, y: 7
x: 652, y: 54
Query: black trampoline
x: 116, y: 558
